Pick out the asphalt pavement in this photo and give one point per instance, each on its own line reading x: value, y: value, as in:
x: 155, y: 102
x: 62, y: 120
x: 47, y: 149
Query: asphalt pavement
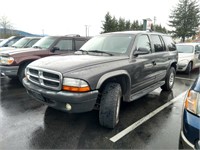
x: 151, y: 122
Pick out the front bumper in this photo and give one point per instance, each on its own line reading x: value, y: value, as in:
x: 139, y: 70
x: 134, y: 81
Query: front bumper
x: 185, y: 143
x: 79, y: 102
x: 9, y: 70
x: 181, y: 67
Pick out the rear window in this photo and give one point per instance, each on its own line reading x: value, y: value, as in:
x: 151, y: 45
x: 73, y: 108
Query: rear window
x: 170, y: 44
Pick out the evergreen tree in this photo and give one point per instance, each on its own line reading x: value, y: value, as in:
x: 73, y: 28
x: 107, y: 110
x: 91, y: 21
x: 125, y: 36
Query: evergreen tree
x: 185, y: 18
x: 121, y: 24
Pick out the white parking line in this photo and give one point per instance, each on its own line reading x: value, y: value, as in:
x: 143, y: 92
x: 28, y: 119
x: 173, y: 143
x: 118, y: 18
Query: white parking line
x: 185, y: 79
x: 144, y: 119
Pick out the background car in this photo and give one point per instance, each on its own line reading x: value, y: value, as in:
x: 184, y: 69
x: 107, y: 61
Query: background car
x: 190, y: 129
x: 25, y: 42
x: 1, y: 40
x: 10, y: 41
x: 188, y: 56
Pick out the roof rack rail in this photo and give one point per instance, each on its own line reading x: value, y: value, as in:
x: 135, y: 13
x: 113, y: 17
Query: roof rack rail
x: 73, y: 35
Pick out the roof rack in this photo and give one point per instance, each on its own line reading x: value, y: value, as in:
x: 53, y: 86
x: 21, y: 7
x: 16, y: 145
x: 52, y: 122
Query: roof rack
x: 73, y: 35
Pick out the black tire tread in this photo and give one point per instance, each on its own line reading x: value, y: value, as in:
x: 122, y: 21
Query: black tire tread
x: 108, y: 104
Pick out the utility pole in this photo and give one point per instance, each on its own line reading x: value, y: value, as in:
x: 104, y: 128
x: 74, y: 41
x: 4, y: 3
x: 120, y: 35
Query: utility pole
x: 87, y: 30
x: 86, y: 26
x: 154, y: 23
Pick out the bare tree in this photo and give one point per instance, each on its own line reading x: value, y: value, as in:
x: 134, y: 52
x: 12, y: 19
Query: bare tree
x: 6, y: 25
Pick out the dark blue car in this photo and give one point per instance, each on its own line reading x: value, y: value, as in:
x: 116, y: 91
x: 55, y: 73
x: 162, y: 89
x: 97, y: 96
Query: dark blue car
x: 190, y: 130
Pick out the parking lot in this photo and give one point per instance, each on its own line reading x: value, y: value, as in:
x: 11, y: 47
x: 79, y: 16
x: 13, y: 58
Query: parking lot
x: 151, y: 122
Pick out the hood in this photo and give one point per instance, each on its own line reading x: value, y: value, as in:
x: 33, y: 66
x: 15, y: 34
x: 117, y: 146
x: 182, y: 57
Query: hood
x: 65, y: 64
x: 16, y: 51
x: 185, y: 56
x: 2, y: 49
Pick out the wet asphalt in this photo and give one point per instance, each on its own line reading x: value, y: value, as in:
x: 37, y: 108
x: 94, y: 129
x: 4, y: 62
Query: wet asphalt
x: 27, y: 124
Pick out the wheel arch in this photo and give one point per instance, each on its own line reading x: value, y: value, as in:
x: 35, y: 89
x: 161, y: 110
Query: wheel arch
x: 122, y: 77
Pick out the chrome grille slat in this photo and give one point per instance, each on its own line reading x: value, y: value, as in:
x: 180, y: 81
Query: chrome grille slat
x: 45, y: 78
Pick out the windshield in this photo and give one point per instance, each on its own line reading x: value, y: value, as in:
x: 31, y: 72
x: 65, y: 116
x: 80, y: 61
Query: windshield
x: 5, y: 41
x: 20, y: 43
x: 45, y: 42
x: 185, y: 48
x: 109, y: 43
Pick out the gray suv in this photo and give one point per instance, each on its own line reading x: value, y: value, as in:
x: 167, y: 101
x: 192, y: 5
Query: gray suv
x: 108, y: 69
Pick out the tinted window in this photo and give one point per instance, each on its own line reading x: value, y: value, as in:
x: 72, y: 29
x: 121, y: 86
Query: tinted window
x: 78, y: 44
x: 157, y: 43
x: 170, y: 44
x: 64, y: 44
x: 143, y: 42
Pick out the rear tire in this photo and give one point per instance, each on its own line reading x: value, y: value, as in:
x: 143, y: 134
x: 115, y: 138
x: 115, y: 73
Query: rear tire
x: 110, y: 105
x: 169, y: 80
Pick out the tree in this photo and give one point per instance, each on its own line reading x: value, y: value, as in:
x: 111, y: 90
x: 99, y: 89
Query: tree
x: 110, y: 24
x: 5, y: 24
x: 185, y: 18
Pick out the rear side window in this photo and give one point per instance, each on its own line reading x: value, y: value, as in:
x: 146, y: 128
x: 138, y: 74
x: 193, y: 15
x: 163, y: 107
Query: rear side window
x: 170, y: 44
x: 157, y: 43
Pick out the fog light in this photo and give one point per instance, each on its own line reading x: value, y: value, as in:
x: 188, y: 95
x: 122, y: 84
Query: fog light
x: 68, y: 107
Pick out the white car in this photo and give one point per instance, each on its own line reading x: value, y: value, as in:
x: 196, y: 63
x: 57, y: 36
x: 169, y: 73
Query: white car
x: 188, y: 54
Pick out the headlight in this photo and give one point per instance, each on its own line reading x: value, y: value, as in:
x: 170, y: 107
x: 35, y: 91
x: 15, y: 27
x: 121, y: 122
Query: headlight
x: 75, y: 85
x: 183, y: 62
x: 192, y: 102
x: 6, y: 60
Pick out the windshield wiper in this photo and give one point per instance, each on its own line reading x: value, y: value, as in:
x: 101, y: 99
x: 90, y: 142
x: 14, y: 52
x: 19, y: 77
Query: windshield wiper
x: 83, y: 51
x: 103, y: 52
x: 14, y: 46
x: 37, y: 47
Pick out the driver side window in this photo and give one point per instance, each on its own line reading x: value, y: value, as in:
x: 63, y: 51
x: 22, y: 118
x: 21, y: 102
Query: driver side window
x: 143, y: 42
x: 64, y: 45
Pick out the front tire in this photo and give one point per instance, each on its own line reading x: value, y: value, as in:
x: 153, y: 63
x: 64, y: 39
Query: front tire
x: 21, y: 71
x: 189, y: 68
x: 110, y: 105
x: 169, y: 80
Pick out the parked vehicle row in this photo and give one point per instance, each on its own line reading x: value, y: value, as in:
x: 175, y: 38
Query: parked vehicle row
x: 14, y: 61
x: 10, y: 41
x: 104, y: 72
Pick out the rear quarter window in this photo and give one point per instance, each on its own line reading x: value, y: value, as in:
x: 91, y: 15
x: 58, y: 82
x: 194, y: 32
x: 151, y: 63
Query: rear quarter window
x: 169, y: 42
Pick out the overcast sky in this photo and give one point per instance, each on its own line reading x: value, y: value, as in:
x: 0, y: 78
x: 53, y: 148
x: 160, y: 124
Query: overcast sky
x: 61, y: 17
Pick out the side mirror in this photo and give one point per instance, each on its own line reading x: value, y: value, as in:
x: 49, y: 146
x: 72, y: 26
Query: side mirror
x: 6, y: 45
x: 141, y: 51
x: 55, y: 49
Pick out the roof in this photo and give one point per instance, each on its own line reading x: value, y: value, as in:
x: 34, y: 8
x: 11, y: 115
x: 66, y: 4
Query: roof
x: 135, y: 32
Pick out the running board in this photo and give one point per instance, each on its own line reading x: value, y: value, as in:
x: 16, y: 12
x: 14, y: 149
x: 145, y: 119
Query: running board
x: 146, y: 90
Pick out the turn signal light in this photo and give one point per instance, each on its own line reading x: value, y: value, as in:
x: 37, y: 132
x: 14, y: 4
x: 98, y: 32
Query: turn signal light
x: 76, y: 89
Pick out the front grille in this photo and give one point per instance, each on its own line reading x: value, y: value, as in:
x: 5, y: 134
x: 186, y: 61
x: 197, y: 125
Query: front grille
x: 45, y: 78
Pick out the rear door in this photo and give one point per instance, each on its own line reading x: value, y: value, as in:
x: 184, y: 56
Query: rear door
x: 162, y: 58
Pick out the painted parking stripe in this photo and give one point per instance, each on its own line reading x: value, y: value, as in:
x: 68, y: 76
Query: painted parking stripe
x: 185, y: 79
x: 144, y: 119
